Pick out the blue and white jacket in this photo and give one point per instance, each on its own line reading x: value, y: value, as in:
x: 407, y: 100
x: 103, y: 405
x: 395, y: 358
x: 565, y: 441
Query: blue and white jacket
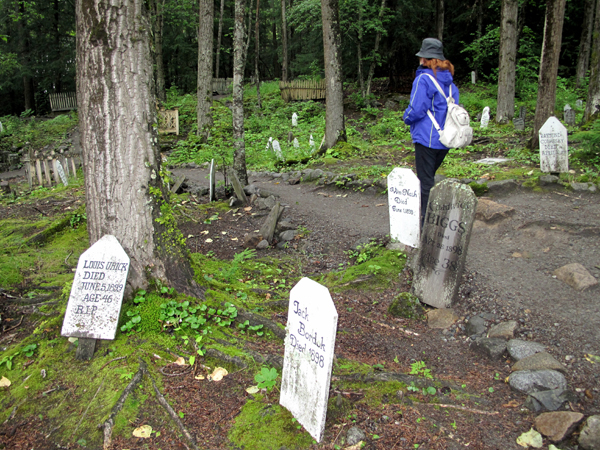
x: 425, y: 96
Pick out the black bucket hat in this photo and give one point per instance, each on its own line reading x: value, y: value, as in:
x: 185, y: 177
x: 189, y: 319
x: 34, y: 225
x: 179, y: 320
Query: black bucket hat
x: 431, y: 48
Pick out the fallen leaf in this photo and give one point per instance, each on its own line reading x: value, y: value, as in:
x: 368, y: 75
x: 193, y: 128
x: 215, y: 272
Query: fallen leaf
x: 199, y: 377
x: 218, y: 374
x: 204, y: 232
x: 547, y: 249
x: 145, y: 431
x: 589, y: 394
x: 553, y: 447
x: 380, y: 204
x: 356, y: 446
x: 345, y: 195
x: 248, y: 208
x: 190, y: 236
x: 156, y: 356
x: 530, y: 172
x: 234, y: 239
x: 268, y: 296
x: 530, y: 439
x: 592, y: 358
x: 223, y: 232
x: 180, y: 361
x: 209, y: 240
x: 5, y: 382
x: 365, y: 206
x: 252, y: 390
x: 511, y: 404
x: 516, y: 255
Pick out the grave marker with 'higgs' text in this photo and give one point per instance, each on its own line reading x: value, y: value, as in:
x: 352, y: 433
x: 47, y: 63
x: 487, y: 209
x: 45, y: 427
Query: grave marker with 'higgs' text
x: 404, y: 200
x: 554, y: 147
x: 309, y: 352
x: 448, y: 221
x: 97, y: 292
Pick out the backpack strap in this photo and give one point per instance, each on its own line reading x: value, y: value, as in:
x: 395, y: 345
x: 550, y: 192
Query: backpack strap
x: 449, y: 100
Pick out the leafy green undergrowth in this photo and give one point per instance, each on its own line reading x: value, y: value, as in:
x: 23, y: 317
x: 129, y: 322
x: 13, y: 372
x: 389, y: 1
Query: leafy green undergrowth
x: 265, y: 425
x: 20, y: 131
x: 375, y: 268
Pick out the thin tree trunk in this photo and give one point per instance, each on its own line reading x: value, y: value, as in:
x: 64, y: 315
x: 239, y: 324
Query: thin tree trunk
x: 239, y: 153
x: 439, y: 19
x: 248, y: 36
x: 205, y: 64
x: 375, y: 58
x: 28, y: 89
x: 361, y: 78
x: 158, y: 50
x: 592, y: 106
x: 284, y: 43
x: 257, y: 53
x: 125, y: 193
x: 507, y: 61
x: 332, y: 46
x: 583, y: 59
x: 546, y: 99
x: 219, y: 34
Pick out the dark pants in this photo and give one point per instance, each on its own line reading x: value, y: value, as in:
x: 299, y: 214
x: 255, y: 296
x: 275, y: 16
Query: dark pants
x: 428, y: 161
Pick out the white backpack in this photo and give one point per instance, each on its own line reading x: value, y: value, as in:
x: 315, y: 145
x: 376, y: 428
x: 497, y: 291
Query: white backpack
x: 457, y: 132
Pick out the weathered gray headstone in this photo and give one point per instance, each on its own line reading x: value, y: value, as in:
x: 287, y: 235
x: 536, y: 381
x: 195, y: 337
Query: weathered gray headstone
x: 309, y: 352
x: 237, y: 187
x: 97, y: 292
x: 523, y: 113
x: 473, y: 77
x: 290, y: 137
x: 311, y: 144
x: 404, y: 200
x: 61, y: 173
x: 178, y: 182
x: 445, y: 238
x: 212, y: 182
x: 570, y: 117
x: 519, y: 123
x: 296, y: 143
x: 269, y: 144
x: 268, y: 228
x: 554, y: 156
x: 579, y: 104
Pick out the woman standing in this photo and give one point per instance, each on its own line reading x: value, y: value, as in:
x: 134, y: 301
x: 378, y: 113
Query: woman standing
x: 429, y: 151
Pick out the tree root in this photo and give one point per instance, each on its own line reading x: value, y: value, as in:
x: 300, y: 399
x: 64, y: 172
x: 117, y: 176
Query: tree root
x: 110, y: 422
x: 235, y: 360
x: 163, y: 402
x: 408, y: 379
x: 256, y: 319
x: 462, y: 408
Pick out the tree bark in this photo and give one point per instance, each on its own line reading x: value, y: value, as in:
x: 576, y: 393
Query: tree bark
x: 361, y: 78
x: 257, y: 53
x: 439, y: 19
x: 237, y: 110
x: 507, y: 61
x: 583, y: 60
x: 546, y: 98
x: 332, y: 46
x: 375, y: 59
x: 125, y: 193
x: 284, y: 43
x: 219, y: 34
x: 24, y: 59
x: 592, y: 106
x: 161, y: 92
x: 205, y: 64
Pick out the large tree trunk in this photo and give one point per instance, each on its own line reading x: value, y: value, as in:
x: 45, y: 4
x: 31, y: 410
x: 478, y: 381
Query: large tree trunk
x: 125, y: 193
x: 205, y: 64
x: 161, y: 92
x: 592, y: 106
x: 583, y: 60
x: 257, y: 53
x: 284, y: 43
x: 546, y: 98
x: 219, y: 34
x: 332, y: 49
x: 24, y: 59
x: 507, y: 61
x: 239, y: 149
x: 375, y: 59
x: 439, y: 19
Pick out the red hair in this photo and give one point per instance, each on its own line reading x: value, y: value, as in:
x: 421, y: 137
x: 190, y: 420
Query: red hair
x: 435, y: 64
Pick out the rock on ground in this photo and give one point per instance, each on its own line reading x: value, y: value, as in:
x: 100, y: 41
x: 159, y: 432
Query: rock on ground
x: 557, y: 425
x: 519, y: 349
x: 441, y: 318
x: 493, y: 348
x: 490, y: 212
x: 504, y: 330
x: 528, y: 381
x: 589, y: 439
x: 576, y: 276
x: 355, y: 435
x: 539, y: 361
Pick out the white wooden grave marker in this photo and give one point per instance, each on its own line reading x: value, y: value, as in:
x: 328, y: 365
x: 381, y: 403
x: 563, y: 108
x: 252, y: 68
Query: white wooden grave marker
x: 309, y: 351
x: 97, y: 292
x: 61, y: 173
x: 294, y: 120
x: 311, y: 144
x: 554, y: 148
x: 277, y: 150
x: 269, y: 144
x: 404, y: 200
x: 296, y: 143
x: 485, y: 117
x: 473, y: 77
x: 211, y: 182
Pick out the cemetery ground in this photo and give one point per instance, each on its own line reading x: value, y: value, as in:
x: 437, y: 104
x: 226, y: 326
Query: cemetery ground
x: 398, y: 380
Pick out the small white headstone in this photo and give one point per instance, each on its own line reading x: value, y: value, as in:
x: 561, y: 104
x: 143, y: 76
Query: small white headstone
x: 554, y: 147
x: 473, y: 77
x: 311, y: 144
x: 1, y: 128
x: 212, y: 182
x: 485, y: 117
x: 492, y: 161
x: 309, y: 351
x: 296, y: 143
x: 404, y: 200
x: 269, y: 144
x: 567, y: 107
x: 294, y: 120
x: 61, y: 173
x: 579, y: 104
x: 97, y: 292
x: 277, y: 150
